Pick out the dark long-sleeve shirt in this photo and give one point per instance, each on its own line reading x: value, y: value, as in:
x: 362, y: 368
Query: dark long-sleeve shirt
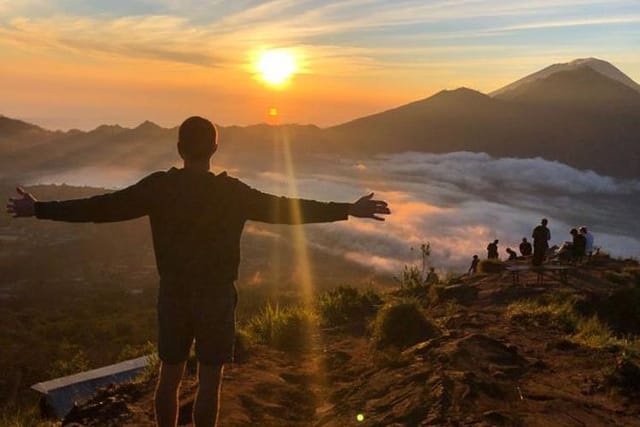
x: 196, y: 218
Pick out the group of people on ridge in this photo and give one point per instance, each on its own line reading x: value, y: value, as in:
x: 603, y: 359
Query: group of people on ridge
x: 580, y: 246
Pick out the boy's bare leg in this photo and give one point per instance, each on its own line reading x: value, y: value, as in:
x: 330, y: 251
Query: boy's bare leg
x: 166, y: 398
x: 207, y: 405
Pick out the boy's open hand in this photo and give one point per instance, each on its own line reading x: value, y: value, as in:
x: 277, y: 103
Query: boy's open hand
x: 366, y: 207
x: 23, y: 206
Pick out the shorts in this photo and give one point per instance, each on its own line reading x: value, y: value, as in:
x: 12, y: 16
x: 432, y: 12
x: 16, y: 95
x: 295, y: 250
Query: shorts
x: 206, y: 315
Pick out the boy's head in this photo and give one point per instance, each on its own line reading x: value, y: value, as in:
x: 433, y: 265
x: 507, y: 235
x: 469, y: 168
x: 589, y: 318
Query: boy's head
x: 197, y: 139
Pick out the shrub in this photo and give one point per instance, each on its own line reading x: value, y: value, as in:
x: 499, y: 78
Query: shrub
x: 621, y: 310
x: 287, y: 329
x: 560, y: 315
x: 617, y: 277
x: 151, y: 370
x: 402, y: 324
x: 346, y: 304
x: 16, y: 417
x: 71, y: 360
x: 130, y: 351
x: 410, y: 278
x: 591, y: 332
x: 491, y: 266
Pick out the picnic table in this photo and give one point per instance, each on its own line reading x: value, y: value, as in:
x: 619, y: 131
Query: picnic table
x: 560, y: 270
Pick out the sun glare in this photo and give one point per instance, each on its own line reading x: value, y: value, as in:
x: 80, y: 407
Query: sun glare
x: 276, y: 66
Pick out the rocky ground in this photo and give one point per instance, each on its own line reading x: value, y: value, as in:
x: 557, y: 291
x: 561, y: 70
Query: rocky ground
x: 483, y: 369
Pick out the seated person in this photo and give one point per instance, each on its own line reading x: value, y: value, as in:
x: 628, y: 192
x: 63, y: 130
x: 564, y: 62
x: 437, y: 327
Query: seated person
x: 579, y: 245
x: 525, y: 247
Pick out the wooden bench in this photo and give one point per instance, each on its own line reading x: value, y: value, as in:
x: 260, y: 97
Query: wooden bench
x: 555, y: 269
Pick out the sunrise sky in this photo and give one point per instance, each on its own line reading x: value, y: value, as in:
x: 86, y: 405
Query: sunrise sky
x: 66, y: 64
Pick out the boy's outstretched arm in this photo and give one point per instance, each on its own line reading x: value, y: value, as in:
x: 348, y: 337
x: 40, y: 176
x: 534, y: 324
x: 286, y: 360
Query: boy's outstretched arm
x: 23, y: 206
x: 366, y: 207
x: 264, y: 207
x: 121, y: 205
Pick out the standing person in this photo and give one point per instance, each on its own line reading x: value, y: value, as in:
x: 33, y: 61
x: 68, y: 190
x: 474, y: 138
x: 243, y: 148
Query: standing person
x: 473, y: 269
x: 432, y: 277
x: 196, y: 222
x: 589, y: 242
x: 492, y: 250
x: 541, y: 236
x: 525, y: 247
x: 578, y: 246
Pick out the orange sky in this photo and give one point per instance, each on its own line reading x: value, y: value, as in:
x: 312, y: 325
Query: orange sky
x: 89, y: 63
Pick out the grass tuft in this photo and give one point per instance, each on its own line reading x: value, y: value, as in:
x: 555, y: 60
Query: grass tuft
x: 402, y: 324
x: 345, y: 305
x: 287, y: 329
x: 559, y: 315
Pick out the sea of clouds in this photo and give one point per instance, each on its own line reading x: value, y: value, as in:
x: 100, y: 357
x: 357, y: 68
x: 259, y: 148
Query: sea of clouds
x: 458, y: 202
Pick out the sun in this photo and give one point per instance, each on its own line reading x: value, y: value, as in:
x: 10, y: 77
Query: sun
x: 276, y: 66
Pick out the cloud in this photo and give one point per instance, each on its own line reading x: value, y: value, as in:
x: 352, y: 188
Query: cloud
x: 460, y: 201
x: 166, y: 38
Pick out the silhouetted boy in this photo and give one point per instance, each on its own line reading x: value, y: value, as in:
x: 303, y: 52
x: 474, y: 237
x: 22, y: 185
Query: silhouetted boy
x: 196, y: 222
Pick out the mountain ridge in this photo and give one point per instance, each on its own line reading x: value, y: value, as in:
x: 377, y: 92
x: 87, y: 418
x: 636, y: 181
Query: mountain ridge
x: 578, y: 116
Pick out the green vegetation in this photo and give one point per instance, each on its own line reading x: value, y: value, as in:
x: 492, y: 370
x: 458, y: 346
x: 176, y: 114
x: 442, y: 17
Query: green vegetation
x: 411, y: 282
x: 18, y: 417
x: 346, y: 304
x: 288, y: 329
x: 587, y: 331
x: 559, y: 315
x: 401, y: 324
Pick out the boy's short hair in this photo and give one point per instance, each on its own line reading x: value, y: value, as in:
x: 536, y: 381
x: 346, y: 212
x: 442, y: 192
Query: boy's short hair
x: 197, y: 138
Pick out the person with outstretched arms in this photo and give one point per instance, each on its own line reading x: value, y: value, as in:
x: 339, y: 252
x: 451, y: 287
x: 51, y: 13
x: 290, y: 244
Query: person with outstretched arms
x: 196, y: 220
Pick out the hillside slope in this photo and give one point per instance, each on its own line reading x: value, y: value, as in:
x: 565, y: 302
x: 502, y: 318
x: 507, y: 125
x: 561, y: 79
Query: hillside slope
x: 494, y: 363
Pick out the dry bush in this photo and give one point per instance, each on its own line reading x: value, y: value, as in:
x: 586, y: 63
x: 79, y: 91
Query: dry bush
x: 402, y: 324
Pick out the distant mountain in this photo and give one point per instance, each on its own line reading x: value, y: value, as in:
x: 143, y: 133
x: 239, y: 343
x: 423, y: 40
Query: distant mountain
x: 579, y: 88
x: 598, y: 65
x: 451, y: 120
x: 18, y: 135
x: 579, y: 117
